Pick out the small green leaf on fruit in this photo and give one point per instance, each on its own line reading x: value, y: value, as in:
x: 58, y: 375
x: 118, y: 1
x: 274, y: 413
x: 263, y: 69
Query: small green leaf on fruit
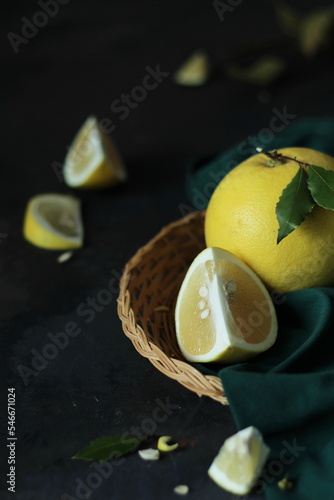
x: 294, y: 204
x: 321, y: 185
x: 108, y: 448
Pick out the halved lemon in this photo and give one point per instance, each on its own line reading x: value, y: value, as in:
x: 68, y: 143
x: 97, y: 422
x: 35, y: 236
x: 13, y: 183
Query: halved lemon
x: 240, y: 460
x: 223, y: 310
x: 53, y: 221
x: 93, y: 160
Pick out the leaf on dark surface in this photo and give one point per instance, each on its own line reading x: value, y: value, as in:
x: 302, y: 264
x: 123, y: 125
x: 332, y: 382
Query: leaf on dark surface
x: 288, y: 18
x: 262, y: 72
x: 321, y: 185
x: 294, y: 204
x: 312, y: 31
x: 316, y: 30
x: 108, y: 448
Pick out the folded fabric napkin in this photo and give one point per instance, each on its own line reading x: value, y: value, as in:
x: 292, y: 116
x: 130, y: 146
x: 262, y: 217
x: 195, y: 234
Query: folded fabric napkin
x: 288, y: 391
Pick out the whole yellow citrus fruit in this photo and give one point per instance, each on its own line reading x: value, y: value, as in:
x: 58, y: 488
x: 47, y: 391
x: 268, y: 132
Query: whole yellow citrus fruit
x: 241, y: 218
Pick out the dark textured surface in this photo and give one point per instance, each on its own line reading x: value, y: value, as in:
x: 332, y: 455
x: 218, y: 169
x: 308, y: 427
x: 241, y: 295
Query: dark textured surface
x: 83, y: 59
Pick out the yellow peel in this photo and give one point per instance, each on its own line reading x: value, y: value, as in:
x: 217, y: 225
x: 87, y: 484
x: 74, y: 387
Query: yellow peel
x: 164, y: 446
x: 93, y: 160
x: 53, y: 221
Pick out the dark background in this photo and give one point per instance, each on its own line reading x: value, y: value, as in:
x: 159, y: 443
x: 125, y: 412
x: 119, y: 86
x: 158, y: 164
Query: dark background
x: 84, y: 58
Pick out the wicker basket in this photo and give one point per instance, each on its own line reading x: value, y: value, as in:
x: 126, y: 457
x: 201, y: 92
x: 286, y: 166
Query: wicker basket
x: 148, y: 291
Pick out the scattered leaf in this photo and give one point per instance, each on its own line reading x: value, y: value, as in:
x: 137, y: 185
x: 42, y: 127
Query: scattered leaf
x: 321, y: 185
x: 312, y: 31
x: 108, y: 448
x: 162, y: 308
x: 315, y: 30
x: 262, y: 72
x: 294, y: 204
x: 288, y: 18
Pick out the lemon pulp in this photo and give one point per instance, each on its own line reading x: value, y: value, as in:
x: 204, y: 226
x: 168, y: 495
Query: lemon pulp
x: 240, y: 461
x: 93, y: 160
x: 223, y: 310
x: 53, y: 221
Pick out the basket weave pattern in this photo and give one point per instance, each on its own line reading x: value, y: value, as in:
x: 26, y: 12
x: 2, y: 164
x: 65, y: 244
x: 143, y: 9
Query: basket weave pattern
x: 148, y: 291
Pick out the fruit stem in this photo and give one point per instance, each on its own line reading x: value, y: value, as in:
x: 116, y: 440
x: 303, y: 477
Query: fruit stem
x: 277, y: 158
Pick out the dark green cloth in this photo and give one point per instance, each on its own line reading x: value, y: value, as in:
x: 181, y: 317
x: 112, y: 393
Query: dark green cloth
x: 204, y: 174
x: 288, y: 391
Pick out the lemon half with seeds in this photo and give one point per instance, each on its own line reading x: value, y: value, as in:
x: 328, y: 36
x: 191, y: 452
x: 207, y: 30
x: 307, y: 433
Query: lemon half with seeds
x: 93, y: 160
x: 223, y: 310
x: 240, y: 460
x: 53, y: 221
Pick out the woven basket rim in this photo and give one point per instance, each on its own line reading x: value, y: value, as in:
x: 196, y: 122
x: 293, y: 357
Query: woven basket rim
x: 177, y: 369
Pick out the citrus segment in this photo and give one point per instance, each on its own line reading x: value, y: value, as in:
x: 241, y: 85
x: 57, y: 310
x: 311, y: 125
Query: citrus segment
x: 93, y: 160
x: 223, y: 311
x: 195, y: 71
x: 53, y: 221
x: 240, y: 460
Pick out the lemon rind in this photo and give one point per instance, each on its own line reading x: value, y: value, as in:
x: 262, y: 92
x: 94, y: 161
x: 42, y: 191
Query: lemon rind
x: 38, y: 231
x: 104, y: 169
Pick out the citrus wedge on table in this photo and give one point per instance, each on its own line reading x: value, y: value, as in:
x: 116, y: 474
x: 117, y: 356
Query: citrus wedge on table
x: 93, y: 160
x: 195, y: 71
x: 223, y: 311
x: 240, y: 460
x: 53, y: 221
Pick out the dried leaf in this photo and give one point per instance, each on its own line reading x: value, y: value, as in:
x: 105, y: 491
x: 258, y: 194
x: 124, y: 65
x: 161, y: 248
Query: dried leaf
x: 315, y: 30
x: 288, y: 18
x: 262, y: 72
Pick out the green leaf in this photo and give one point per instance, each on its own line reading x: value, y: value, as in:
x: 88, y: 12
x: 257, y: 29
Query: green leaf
x: 294, y: 204
x: 108, y: 448
x: 321, y: 185
x: 261, y: 72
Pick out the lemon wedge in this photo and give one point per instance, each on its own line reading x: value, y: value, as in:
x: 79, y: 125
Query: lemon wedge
x: 223, y: 310
x: 194, y: 71
x: 240, y: 460
x: 93, y: 161
x: 53, y: 221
